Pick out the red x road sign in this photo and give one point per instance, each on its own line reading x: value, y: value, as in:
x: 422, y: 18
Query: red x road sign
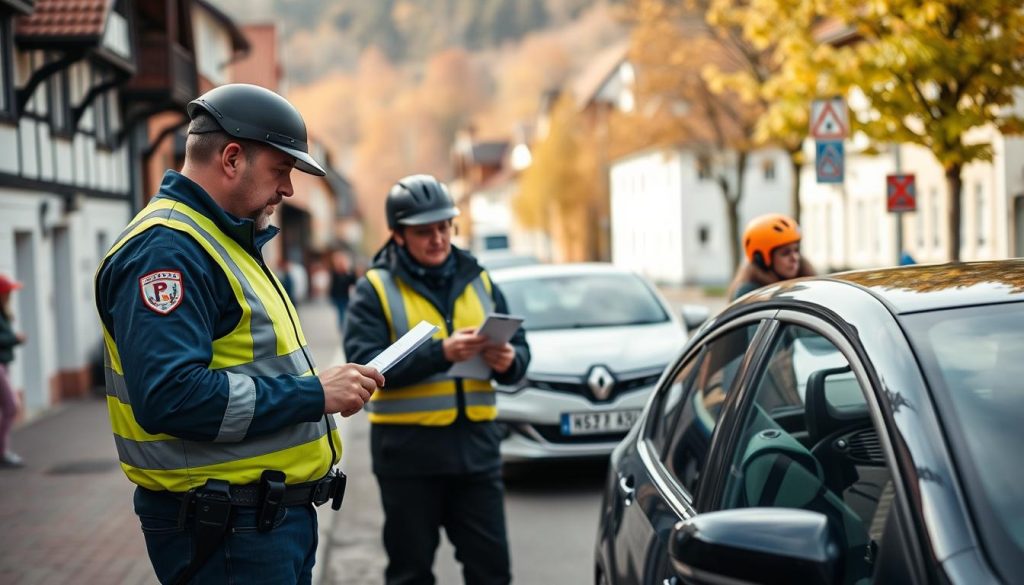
x: 901, y: 193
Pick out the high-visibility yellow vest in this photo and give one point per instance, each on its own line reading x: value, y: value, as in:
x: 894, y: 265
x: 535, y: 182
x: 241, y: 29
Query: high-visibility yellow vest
x: 267, y: 341
x: 433, y: 401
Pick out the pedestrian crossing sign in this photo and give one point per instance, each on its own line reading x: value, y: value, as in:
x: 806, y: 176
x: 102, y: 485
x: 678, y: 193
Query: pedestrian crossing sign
x: 829, y: 119
x: 829, y: 162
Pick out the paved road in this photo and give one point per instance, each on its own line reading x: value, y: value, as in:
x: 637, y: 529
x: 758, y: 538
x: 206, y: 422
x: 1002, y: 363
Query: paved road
x: 552, y: 517
x: 552, y: 510
x: 67, y: 516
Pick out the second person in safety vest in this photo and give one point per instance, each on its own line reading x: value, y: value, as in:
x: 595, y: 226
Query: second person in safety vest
x: 434, y: 442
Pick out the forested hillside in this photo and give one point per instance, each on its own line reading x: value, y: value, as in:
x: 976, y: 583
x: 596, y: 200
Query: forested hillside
x: 387, y: 84
x: 329, y: 34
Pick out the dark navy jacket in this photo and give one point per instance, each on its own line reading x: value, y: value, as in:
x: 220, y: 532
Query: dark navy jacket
x: 8, y: 339
x: 165, y: 357
x: 413, y: 450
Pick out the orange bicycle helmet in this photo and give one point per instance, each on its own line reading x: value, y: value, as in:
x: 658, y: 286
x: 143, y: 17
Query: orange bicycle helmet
x: 767, y: 232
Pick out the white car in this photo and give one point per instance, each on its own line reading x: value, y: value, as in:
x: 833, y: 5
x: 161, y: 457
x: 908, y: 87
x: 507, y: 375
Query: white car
x: 599, y: 337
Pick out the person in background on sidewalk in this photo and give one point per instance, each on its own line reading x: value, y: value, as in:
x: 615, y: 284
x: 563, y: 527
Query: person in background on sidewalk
x: 433, y: 439
x: 8, y: 399
x: 342, y: 279
x: 772, y: 246
x: 219, y: 414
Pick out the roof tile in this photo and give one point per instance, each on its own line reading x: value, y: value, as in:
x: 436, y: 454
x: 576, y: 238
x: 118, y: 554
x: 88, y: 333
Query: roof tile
x: 65, y: 18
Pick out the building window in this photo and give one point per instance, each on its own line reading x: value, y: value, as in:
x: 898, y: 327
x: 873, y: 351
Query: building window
x: 6, y: 69
x: 59, y: 104
x: 704, y: 234
x: 979, y: 213
x: 703, y: 167
x: 936, y: 218
x: 106, y: 115
x: 101, y: 108
x: 768, y: 167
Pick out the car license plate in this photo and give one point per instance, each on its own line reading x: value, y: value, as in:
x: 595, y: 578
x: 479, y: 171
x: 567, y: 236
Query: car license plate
x: 589, y: 423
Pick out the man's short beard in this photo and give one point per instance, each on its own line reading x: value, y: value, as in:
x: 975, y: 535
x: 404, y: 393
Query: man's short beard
x: 262, y: 220
x: 247, y: 184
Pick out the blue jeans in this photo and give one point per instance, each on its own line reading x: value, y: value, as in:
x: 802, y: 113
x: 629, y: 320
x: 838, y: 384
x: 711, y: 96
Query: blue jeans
x: 284, y: 555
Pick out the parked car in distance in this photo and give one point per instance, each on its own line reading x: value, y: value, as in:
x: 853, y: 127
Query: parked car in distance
x: 496, y: 259
x: 858, y: 428
x: 600, y: 337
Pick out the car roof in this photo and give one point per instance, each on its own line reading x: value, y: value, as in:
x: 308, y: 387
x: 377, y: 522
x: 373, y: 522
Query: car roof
x: 550, y: 270
x: 910, y: 289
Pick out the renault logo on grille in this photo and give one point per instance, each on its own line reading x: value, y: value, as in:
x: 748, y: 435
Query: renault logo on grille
x: 601, y: 382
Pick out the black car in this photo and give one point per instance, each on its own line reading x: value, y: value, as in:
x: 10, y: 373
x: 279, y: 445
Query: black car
x: 866, y: 427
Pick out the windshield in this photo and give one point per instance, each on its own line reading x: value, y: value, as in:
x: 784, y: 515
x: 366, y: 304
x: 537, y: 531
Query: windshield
x: 974, y: 362
x: 582, y: 300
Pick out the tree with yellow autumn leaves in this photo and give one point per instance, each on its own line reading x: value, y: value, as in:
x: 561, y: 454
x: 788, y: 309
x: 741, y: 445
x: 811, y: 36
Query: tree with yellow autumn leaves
x: 561, y: 192
x: 931, y: 71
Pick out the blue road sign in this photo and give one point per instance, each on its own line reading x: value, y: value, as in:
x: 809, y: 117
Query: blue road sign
x: 829, y: 163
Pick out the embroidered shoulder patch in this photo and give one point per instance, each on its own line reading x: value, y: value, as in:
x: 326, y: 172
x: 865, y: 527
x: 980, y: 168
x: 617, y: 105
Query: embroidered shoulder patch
x: 162, y: 291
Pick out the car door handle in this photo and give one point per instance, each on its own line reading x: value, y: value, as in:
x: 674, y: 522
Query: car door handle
x: 626, y: 488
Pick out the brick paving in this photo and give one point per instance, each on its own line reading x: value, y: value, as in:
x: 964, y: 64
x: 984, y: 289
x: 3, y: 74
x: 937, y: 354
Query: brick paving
x: 66, y: 517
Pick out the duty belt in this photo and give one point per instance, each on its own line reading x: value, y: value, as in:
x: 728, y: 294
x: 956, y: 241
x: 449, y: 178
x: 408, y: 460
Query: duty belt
x: 211, y: 506
x: 314, y: 492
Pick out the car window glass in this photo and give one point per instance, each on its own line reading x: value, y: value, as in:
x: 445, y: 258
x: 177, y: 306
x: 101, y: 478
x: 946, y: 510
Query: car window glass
x: 973, y: 358
x: 808, y: 442
x: 583, y: 300
x: 701, y: 405
x: 666, y: 408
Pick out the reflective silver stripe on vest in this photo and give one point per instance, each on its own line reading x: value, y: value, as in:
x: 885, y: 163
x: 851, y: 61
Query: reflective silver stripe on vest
x: 485, y: 398
x: 407, y: 405
x: 399, y: 318
x: 292, y: 363
x: 481, y: 293
x: 180, y: 454
x: 116, y: 386
x: 240, y: 409
x: 264, y: 339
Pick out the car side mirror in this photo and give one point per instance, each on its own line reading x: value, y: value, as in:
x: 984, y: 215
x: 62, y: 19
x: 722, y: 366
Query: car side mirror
x: 694, y: 316
x: 754, y: 545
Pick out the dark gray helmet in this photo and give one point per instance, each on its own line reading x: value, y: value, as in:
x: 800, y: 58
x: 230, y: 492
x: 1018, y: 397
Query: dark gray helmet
x: 418, y: 200
x: 256, y: 113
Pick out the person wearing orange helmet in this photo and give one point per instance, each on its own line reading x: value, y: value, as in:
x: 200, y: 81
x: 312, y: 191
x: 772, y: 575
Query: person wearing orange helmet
x: 8, y: 400
x: 772, y: 246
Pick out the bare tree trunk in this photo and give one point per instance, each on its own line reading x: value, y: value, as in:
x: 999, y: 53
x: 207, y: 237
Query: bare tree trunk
x: 732, y: 206
x: 796, y: 165
x: 733, y: 211
x: 956, y: 183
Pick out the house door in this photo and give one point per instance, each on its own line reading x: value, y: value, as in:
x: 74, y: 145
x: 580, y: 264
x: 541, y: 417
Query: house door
x: 64, y: 292
x: 28, y: 359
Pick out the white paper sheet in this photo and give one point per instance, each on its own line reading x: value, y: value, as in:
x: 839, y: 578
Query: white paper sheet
x: 498, y: 329
x: 403, y: 347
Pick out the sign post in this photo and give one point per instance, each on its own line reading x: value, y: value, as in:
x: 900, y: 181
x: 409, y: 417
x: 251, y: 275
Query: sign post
x: 901, y: 193
x: 900, y: 196
x: 829, y: 127
x: 829, y: 161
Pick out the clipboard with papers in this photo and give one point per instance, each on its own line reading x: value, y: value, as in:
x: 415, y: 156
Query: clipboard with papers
x: 401, y: 348
x: 498, y: 328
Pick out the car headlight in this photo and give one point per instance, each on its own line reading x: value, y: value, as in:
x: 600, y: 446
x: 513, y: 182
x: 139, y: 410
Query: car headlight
x: 511, y: 388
